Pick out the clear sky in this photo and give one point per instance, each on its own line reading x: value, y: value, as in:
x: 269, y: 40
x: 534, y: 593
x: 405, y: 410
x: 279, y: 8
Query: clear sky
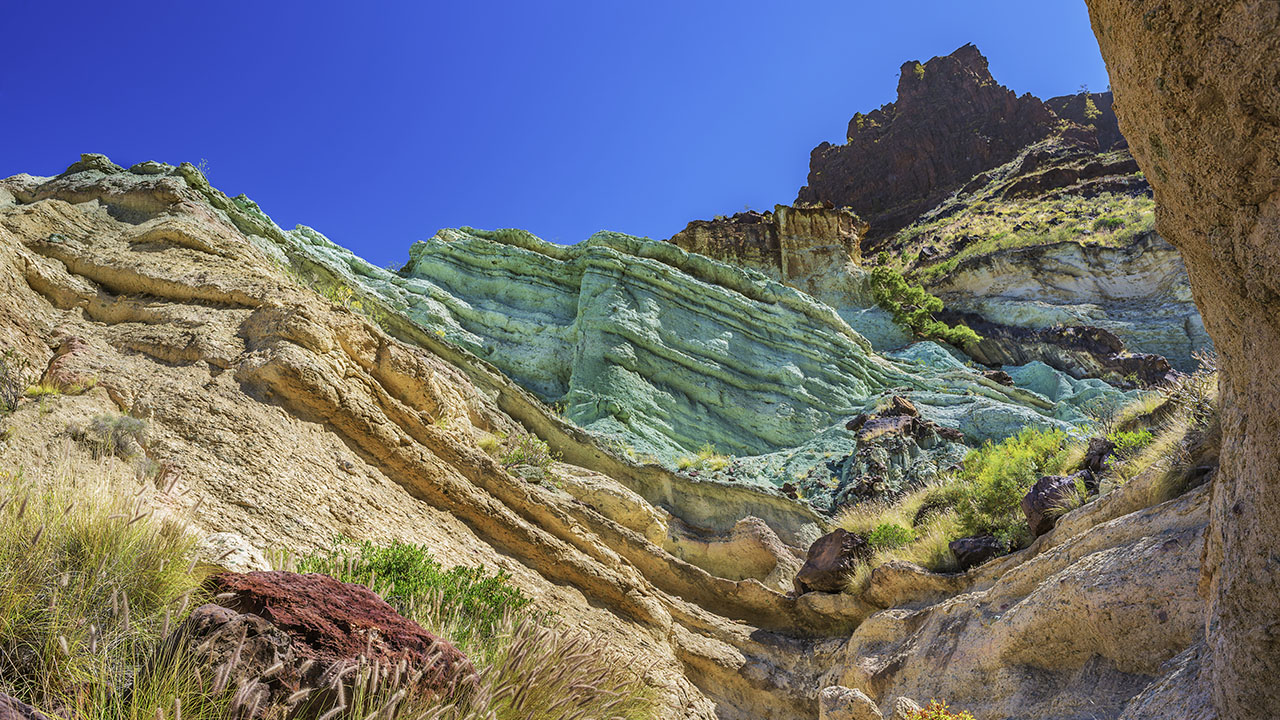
x: 378, y: 123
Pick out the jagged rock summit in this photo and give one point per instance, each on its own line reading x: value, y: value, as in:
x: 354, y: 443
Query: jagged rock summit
x: 951, y: 121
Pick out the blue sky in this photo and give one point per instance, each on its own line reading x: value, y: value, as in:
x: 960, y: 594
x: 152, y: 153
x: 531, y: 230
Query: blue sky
x: 378, y: 123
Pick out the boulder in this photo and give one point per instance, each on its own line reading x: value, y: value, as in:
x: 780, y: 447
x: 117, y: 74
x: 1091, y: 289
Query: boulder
x: 830, y: 560
x: 1043, y: 501
x: 905, y: 708
x: 14, y: 709
x: 998, y: 376
x: 313, y: 617
x: 900, y: 406
x: 841, y: 703
x: 230, y: 551
x: 973, y: 551
x: 1096, y: 457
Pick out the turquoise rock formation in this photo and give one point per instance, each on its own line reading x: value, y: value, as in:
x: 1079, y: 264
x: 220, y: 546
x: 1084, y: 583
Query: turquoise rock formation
x: 667, y: 352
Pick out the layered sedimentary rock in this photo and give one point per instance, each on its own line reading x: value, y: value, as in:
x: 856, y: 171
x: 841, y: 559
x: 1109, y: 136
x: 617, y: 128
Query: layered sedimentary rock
x: 667, y: 351
x: 287, y: 418
x: 1138, y: 291
x: 1196, y: 94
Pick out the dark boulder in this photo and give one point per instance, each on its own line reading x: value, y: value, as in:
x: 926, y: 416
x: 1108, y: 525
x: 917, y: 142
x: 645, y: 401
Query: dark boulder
x: 998, y: 376
x: 1044, y: 502
x: 271, y: 634
x: 972, y: 551
x: 14, y: 709
x: 830, y: 560
x: 1096, y: 457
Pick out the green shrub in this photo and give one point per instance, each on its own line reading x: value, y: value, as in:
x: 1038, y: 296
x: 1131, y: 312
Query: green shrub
x: 529, y: 451
x: 404, y: 574
x: 1129, y: 442
x: 890, y: 535
x: 938, y: 710
x: 997, y: 475
x: 913, y: 306
x: 118, y: 435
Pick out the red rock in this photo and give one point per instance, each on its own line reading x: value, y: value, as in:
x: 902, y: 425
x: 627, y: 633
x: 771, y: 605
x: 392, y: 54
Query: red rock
x: 950, y: 122
x: 328, y: 621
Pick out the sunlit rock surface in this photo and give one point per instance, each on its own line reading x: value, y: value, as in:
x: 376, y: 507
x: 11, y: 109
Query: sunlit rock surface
x: 668, y: 352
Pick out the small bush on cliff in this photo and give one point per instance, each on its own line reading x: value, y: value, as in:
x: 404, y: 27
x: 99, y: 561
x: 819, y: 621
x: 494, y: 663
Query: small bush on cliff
x: 997, y: 475
x: 890, y: 535
x: 404, y: 574
x: 938, y: 710
x: 707, y: 460
x: 529, y: 451
x: 13, y: 379
x: 914, y: 307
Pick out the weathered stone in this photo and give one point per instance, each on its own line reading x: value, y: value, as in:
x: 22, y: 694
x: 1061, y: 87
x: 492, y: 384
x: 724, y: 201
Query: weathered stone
x: 842, y: 703
x: 973, y: 551
x: 1044, y: 501
x: 230, y: 551
x: 330, y: 622
x: 830, y: 560
x: 905, y: 708
x: 1197, y: 96
x: 14, y: 709
x: 998, y: 376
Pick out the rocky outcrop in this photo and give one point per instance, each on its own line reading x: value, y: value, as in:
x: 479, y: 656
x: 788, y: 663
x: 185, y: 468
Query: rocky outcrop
x: 287, y: 418
x: 1138, y: 292
x: 1196, y: 94
x: 1080, y: 351
x: 797, y: 245
x: 950, y: 122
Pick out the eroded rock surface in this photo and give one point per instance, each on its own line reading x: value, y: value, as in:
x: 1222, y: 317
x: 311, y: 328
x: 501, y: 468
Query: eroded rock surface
x: 1196, y: 93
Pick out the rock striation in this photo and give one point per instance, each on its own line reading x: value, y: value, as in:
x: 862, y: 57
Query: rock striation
x: 279, y: 413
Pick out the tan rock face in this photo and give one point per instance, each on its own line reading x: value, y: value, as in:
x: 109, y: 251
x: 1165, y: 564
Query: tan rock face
x: 792, y: 244
x: 287, y: 419
x: 1198, y: 97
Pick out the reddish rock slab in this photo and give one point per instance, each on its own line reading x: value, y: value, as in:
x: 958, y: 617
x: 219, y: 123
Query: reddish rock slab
x: 328, y: 621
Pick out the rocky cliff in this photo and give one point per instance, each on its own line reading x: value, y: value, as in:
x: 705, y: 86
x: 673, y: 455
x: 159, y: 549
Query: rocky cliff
x: 1196, y: 93
x: 950, y: 122
x: 286, y: 416
x: 1021, y: 215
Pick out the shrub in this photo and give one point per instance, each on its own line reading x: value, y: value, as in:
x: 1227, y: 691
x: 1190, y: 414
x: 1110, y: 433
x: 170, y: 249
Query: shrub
x: 889, y: 535
x: 118, y: 435
x: 1128, y: 442
x: 529, y: 451
x: 13, y: 379
x: 938, y: 710
x: 914, y: 307
x: 404, y: 574
x: 707, y: 460
x: 997, y: 475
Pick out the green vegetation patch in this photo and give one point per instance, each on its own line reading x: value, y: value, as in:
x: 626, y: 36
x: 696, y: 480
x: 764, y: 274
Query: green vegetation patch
x: 913, y: 306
